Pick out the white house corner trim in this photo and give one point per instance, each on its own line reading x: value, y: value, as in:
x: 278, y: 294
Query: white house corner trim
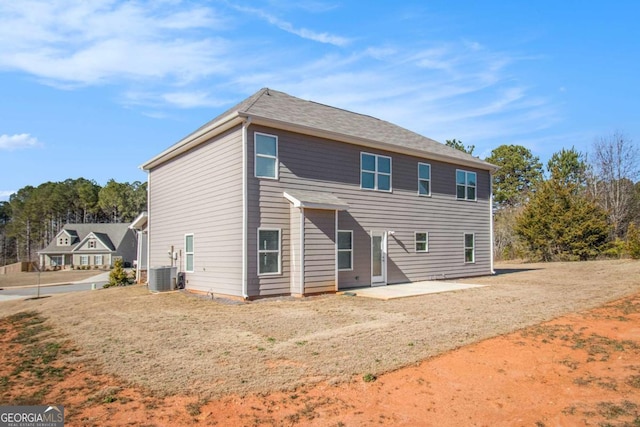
x: 302, y: 251
x: 148, y: 225
x: 335, y: 257
x: 245, y: 219
x: 491, y: 241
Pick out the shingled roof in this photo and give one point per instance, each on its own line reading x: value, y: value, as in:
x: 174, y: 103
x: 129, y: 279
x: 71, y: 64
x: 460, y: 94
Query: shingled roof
x: 110, y: 234
x: 280, y: 110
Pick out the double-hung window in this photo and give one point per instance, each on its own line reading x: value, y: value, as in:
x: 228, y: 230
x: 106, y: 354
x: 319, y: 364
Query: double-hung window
x: 345, y: 250
x: 266, y: 158
x: 188, y: 253
x: 97, y: 260
x: 84, y: 259
x: 424, y: 179
x: 269, y: 251
x: 465, y: 185
x: 422, y: 241
x: 375, y: 172
x: 469, y: 248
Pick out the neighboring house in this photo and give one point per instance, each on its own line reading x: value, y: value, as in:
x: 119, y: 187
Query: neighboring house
x: 139, y: 225
x: 279, y: 195
x: 90, y: 245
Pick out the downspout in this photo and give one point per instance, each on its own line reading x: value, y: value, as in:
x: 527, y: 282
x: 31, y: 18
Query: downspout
x: 245, y: 216
x: 138, y: 252
x: 491, y: 220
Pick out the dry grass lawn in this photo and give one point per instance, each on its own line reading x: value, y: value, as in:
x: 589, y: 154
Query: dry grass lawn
x: 178, y: 343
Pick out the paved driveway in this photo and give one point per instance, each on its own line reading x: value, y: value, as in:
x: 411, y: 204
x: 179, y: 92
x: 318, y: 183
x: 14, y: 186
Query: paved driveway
x: 32, y: 291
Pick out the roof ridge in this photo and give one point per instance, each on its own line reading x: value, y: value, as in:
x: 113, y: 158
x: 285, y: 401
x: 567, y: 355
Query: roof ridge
x: 260, y: 93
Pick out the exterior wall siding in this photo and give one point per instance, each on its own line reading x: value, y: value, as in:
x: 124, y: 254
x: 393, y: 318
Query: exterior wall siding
x: 128, y: 248
x: 319, y: 251
x: 200, y: 192
x: 310, y: 163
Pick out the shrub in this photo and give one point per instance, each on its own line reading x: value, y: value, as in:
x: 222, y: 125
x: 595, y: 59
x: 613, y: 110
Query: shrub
x: 118, y: 275
x: 633, y: 241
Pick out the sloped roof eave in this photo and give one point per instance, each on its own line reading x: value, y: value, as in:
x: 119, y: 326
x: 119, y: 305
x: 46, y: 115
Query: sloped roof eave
x: 194, y: 139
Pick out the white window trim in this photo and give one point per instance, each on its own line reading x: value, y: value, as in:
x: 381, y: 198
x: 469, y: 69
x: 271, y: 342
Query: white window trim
x: 466, y: 186
x: 376, y: 173
x: 415, y: 242
x: 266, y: 156
x: 422, y: 179
x: 192, y: 253
x: 473, y: 248
x: 261, y: 251
x: 84, y: 257
x: 345, y: 250
x: 95, y: 260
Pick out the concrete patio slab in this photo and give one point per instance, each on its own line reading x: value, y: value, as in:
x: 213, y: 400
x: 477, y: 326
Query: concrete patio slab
x: 405, y: 290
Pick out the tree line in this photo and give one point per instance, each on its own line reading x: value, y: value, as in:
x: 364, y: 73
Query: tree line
x: 34, y: 215
x: 584, y: 205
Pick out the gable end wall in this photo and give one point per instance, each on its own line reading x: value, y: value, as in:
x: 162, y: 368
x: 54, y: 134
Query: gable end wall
x: 200, y: 192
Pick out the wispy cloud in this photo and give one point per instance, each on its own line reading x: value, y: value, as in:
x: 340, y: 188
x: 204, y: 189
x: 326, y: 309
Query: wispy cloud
x: 321, y: 37
x: 18, y: 141
x: 87, y: 43
x: 179, y: 55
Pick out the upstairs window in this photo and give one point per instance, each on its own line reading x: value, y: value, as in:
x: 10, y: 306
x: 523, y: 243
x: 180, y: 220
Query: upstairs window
x: 188, y: 253
x: 92, y: 244
x: 465, y: 185
x: 266, y: 158
x: 375, y: 172
x: 424, y: 179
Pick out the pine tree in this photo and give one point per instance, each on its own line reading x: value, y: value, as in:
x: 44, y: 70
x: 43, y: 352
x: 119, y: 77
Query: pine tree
x: 118, y: 275
x: 560, y: 223
x: 633, y: 241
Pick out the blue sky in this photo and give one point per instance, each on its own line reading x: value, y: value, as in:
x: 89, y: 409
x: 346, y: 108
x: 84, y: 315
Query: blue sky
x: 94, y: 88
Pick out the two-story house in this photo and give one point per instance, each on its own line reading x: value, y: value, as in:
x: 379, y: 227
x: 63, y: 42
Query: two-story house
x: 89, y: 246
x: 279, y: 195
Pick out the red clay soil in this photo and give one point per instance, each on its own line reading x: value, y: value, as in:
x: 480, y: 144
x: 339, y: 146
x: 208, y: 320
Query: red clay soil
x: 581, y: 369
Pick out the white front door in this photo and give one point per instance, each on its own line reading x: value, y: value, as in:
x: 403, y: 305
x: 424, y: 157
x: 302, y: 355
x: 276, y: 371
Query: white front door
x: 378, y: 258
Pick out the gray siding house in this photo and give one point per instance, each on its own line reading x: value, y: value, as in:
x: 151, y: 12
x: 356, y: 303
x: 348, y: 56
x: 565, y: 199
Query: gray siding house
x: 89, y: 246
x: 280, y: 195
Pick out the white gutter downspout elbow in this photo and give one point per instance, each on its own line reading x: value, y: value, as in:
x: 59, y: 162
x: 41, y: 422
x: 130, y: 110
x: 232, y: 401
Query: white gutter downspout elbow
x: 245, y: 125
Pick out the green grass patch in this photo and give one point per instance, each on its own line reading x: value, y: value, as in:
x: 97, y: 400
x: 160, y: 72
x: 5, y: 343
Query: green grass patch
x: 369, y: 378
x: 34, y: 361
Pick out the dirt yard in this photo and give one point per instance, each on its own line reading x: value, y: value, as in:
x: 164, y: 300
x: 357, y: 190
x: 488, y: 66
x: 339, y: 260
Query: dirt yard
x: 123, y: 356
